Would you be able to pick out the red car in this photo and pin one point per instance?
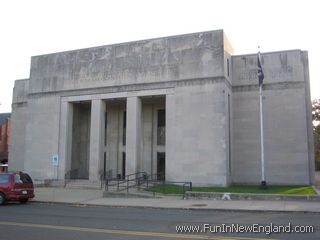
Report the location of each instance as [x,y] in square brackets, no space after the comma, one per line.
[15,186]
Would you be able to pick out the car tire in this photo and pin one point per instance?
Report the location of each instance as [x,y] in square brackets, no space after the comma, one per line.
[2,198]
[24,201]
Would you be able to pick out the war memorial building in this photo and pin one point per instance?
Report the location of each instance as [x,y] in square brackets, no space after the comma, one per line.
[183,107]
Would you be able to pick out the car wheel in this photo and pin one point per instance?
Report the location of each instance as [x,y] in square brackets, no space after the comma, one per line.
[23,201]
[2,198]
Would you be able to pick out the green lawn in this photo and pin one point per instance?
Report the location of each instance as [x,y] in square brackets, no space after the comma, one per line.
[167,189]
[175,189]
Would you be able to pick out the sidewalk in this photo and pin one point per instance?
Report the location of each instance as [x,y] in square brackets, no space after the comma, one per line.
[95,198]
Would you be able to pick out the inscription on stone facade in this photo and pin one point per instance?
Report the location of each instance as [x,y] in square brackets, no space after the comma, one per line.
[248,75]
[284,73]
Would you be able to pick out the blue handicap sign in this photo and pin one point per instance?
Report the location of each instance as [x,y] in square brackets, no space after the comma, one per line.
[55,160]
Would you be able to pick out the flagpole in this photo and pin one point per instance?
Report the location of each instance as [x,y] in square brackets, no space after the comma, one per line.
[263,177]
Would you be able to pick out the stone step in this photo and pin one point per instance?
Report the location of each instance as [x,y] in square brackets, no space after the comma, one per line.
[113,187]
[133,193]
[83,184]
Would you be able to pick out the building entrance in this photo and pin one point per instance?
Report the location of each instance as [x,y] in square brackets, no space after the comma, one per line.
[161,165]
[80,140]
[123,165]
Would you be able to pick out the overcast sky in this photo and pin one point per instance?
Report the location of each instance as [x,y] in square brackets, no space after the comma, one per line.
[33,27]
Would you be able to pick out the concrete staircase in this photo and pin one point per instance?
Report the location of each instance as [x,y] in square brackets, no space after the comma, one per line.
[111,192]
[134,191]
[83,184]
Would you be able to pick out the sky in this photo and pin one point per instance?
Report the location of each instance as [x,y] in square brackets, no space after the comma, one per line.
[35,27]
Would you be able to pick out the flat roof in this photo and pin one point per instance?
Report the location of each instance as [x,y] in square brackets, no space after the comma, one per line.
[128,42]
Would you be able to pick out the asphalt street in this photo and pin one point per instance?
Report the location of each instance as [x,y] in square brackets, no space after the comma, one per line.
[38,221]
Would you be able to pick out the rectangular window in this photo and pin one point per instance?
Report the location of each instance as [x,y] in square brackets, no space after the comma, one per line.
[123,165]
[105,128]
[228,67]
[124,128]
[229,133]
[161,166]
[161,131]
[161,118]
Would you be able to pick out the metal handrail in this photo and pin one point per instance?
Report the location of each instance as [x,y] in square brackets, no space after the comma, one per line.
[128,179]
[163,183]
[104,176]
[141,178]
[136,174]
[117,180]
[68,176]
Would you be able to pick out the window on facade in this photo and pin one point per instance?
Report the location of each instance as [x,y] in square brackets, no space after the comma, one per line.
[229,133]
[123,173]
[161,131]
[228,67]
[124,128]
[105,127]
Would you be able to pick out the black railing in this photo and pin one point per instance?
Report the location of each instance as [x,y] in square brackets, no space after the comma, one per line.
[141,180]
[105,175]
[71,174]
[162,185]
[130,180]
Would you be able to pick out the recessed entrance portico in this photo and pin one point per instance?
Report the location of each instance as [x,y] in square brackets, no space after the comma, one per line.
[115,137]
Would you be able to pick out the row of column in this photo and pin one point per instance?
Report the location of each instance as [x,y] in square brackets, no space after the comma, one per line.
[98,108]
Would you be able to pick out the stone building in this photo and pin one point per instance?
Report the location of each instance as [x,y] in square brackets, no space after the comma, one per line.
[4,140]
[182,107]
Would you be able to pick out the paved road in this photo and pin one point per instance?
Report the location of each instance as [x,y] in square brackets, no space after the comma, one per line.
[36,221]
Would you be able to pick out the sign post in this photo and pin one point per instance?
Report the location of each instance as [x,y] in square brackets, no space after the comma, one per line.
[55,163]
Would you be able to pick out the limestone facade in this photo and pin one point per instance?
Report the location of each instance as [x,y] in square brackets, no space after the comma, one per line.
[183,107]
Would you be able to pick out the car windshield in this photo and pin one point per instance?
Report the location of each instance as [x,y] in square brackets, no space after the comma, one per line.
[4,178]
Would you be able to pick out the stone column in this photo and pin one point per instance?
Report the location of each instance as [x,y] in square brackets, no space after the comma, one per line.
[172,168]
[65,139]
[96,137]
[133,134]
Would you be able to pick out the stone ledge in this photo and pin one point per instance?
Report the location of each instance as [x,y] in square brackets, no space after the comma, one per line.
[128,195]
[250,196]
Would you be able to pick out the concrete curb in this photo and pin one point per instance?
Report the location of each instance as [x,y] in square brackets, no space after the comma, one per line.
[128,195]
[87,198]
[250,196]
[173,208]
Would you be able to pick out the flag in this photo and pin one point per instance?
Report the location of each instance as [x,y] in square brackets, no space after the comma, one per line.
[260,71]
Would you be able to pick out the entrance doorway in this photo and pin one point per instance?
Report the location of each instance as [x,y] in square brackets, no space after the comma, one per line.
[105,166]
[161,166]
[123,165]
[81,122]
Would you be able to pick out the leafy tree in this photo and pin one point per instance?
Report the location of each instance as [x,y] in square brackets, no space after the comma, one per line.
[316,130]
[316,110]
